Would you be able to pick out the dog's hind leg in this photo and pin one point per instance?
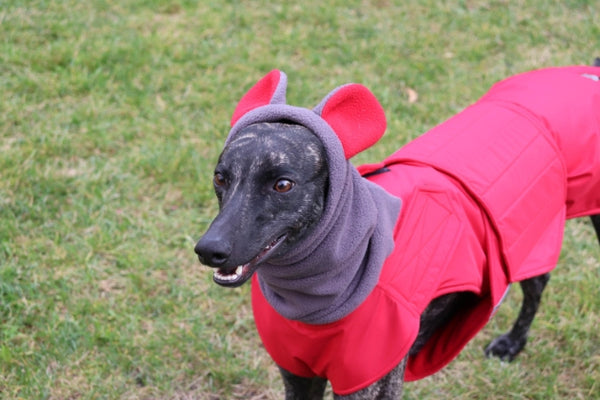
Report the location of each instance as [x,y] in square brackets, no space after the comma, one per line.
[507,346]
[299,388]
[596,221]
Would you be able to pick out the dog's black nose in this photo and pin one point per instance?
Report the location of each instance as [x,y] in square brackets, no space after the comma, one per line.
[213,251]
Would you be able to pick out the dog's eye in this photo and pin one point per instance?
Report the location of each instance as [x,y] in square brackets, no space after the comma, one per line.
[283,185]
[219,180]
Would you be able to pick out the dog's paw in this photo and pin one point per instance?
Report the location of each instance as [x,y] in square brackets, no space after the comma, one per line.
[505,348]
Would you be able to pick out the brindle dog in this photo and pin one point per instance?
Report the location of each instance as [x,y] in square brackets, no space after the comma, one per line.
[267,160]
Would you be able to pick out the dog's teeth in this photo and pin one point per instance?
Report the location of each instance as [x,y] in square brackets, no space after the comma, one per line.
[230,276]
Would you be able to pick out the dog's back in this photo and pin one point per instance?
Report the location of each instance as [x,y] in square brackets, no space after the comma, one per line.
[567,102]
[519,166]
[521,157]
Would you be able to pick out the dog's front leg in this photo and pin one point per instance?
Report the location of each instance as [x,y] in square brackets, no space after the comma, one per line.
[596,222]
[299,388]
[507,346]
[387,388]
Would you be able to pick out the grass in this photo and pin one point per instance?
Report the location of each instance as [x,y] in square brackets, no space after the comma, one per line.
[112,116]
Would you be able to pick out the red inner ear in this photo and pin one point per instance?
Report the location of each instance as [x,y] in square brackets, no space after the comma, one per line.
[356,117]
[259,95]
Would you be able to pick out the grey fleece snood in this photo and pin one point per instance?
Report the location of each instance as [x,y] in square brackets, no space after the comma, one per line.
[329,273]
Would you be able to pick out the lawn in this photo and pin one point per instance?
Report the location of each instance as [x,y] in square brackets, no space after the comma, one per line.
[112,116]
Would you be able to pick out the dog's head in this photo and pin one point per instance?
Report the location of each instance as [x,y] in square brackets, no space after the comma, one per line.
[278,169]
[271,183]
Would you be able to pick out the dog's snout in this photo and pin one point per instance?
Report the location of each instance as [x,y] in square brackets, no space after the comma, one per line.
[213,251]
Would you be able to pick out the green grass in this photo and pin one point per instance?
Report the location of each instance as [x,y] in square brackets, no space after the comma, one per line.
[111,118]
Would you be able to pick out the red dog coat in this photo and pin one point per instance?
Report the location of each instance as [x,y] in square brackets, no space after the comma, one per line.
[484,199]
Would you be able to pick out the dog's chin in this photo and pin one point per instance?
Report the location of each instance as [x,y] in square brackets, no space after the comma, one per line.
[237,276]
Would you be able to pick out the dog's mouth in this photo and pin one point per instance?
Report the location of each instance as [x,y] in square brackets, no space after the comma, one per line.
[236,276]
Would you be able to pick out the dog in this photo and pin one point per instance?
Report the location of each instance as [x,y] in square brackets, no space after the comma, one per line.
[374,275]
